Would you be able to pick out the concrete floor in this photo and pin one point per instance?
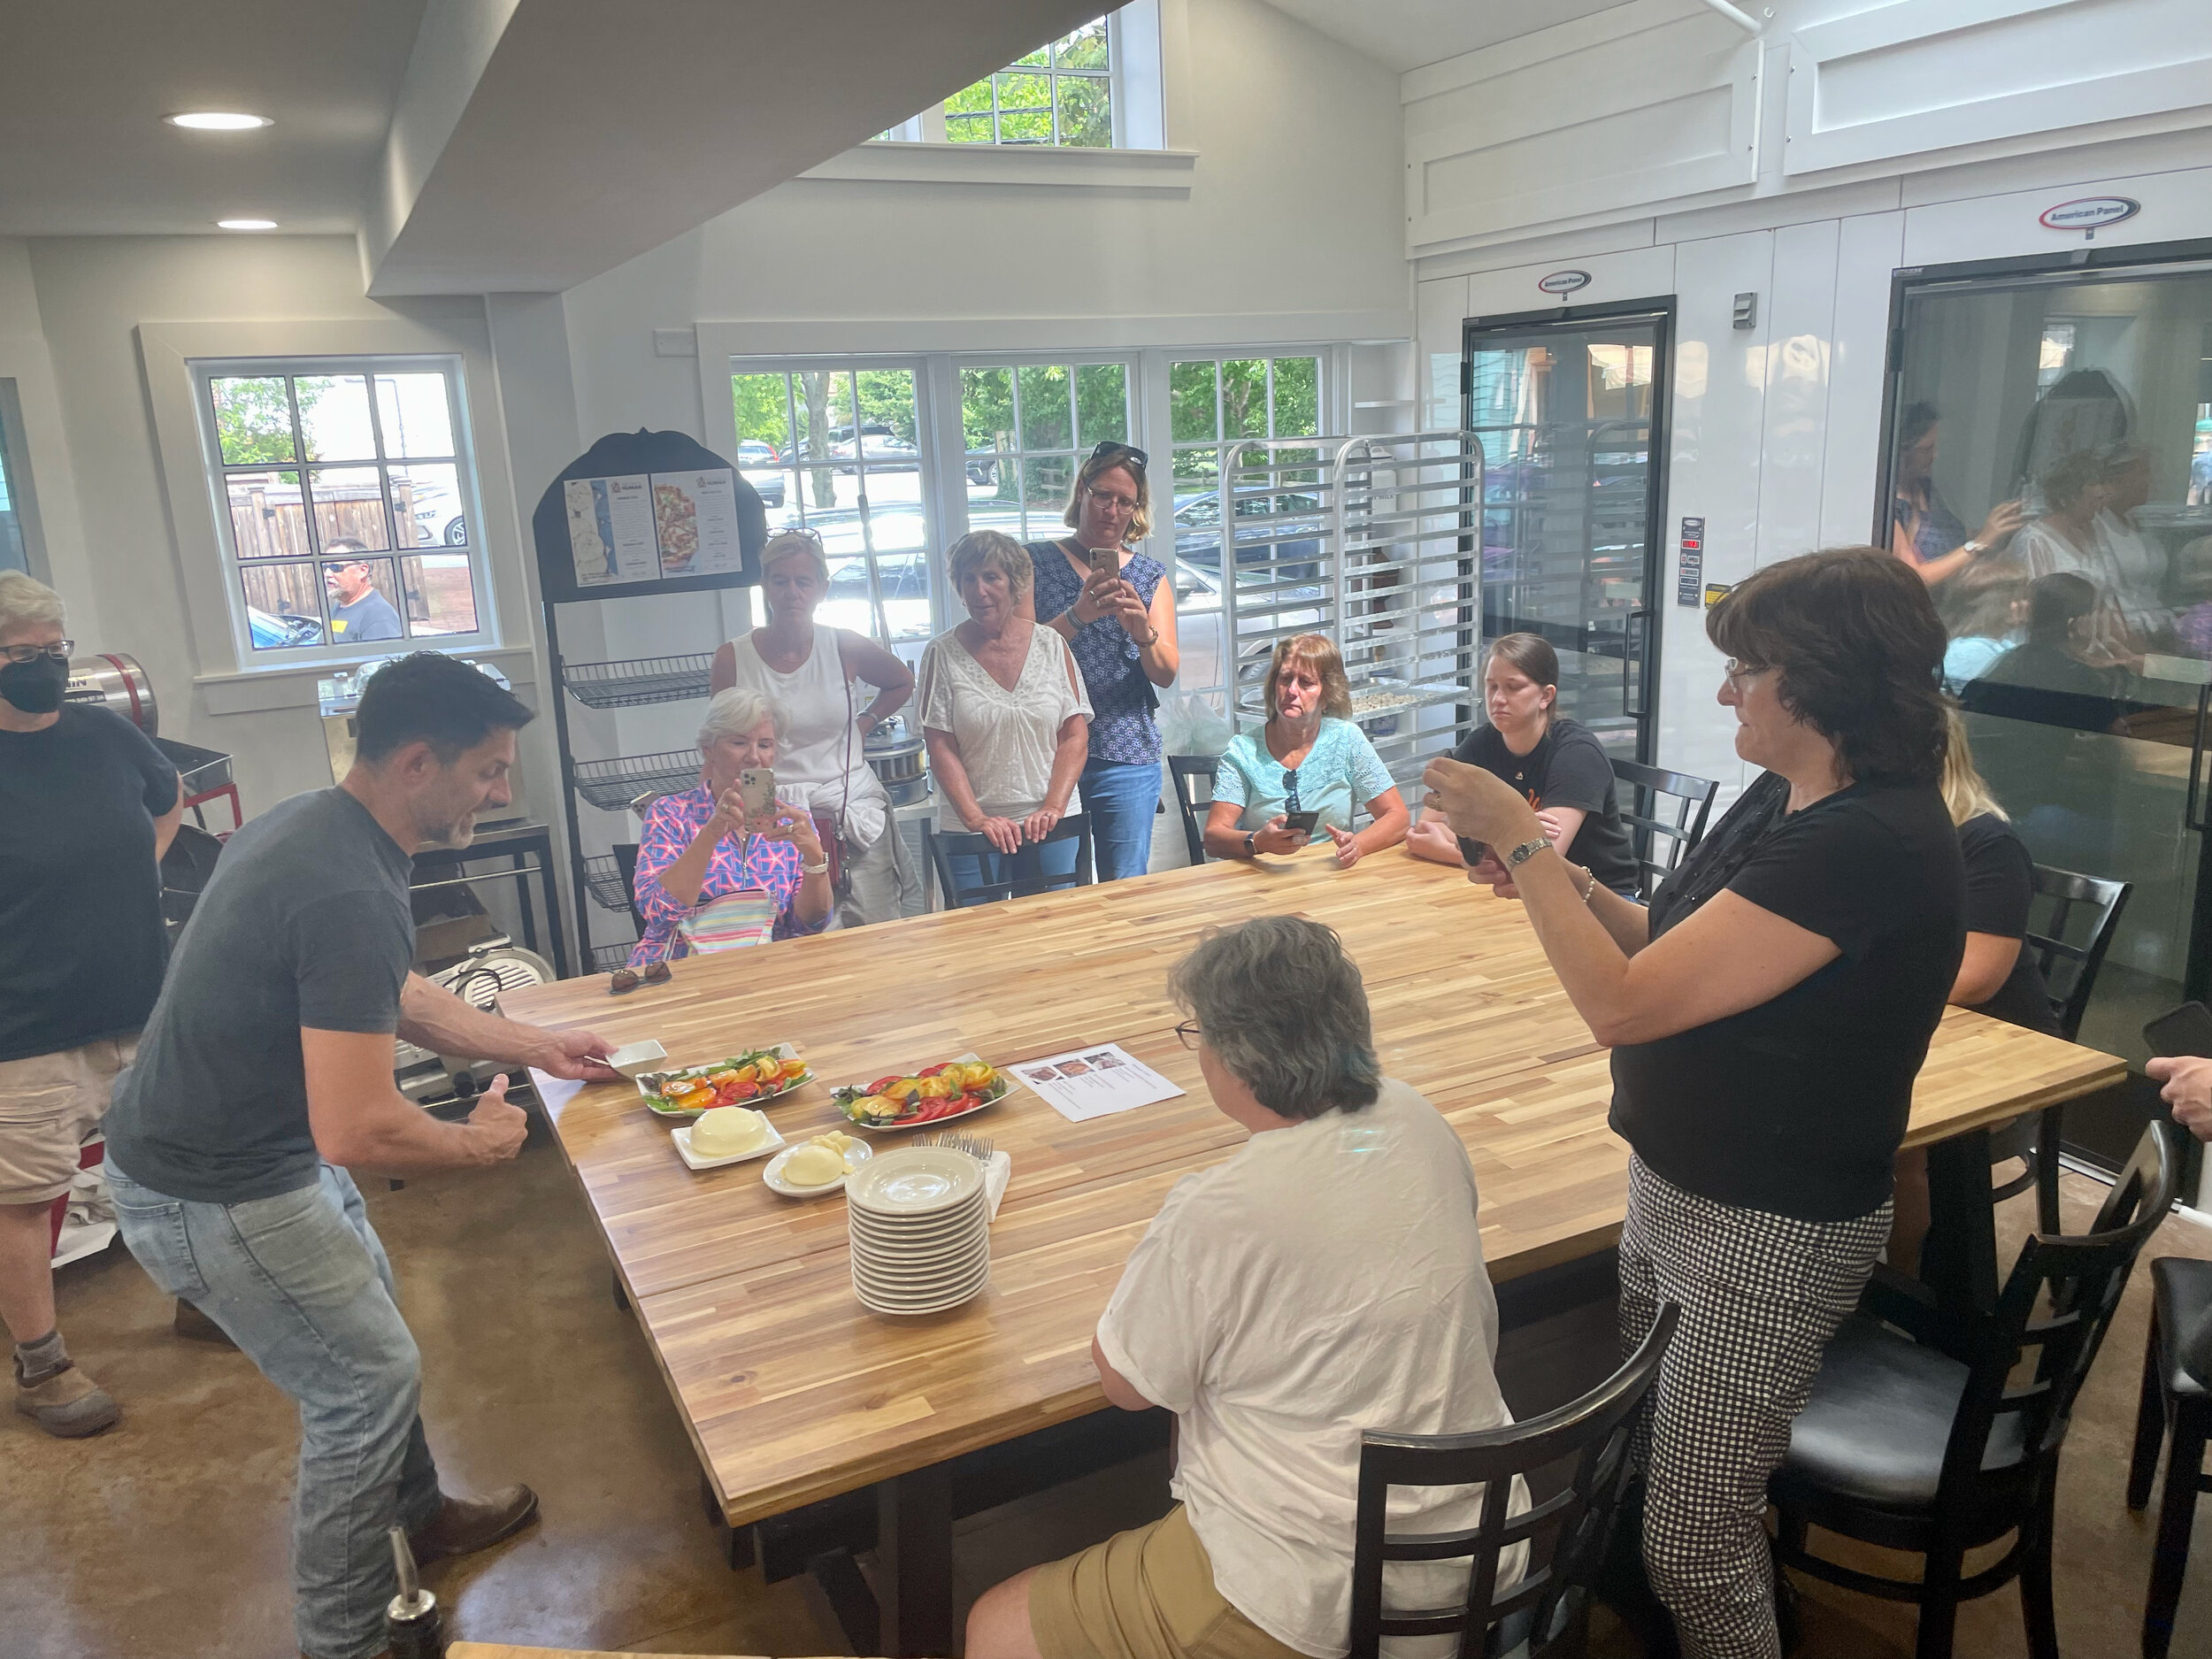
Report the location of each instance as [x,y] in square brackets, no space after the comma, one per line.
[167,1537]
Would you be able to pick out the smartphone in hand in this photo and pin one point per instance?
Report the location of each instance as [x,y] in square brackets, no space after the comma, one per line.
[2186,1032]
[756,787]
[1105,561]
[1304,822]
[1474,852]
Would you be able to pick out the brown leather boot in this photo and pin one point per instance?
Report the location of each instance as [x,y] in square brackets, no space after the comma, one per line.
[464,1525]
[66,1403]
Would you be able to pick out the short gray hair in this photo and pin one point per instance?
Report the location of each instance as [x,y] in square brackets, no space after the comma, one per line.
[738,710]
[1282,1007]
[980,547]
[25,603]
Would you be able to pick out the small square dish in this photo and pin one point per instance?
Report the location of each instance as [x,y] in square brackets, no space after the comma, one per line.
[633,1057]
[681,1136]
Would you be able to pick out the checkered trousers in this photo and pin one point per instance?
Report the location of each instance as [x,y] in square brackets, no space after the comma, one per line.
[1759,1295]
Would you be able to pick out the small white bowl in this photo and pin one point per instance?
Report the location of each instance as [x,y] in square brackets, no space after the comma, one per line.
[633,1057]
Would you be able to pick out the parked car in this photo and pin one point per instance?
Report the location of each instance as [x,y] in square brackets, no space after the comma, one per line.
[762,466]
[273,633]
[439,518]
[905,581]
[878,444]
[1293,535]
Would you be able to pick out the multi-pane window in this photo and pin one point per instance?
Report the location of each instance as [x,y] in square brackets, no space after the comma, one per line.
[1214,400]
[1027,428]
[347,493]
[838,452]
[1062,94]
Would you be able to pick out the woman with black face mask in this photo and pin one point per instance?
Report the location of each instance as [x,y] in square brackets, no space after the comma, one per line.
[88,806]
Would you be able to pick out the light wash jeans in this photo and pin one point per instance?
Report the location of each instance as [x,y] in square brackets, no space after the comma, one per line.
[301,1283]
[1121,801]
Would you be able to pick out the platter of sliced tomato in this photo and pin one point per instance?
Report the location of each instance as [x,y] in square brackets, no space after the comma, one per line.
[754,1078]
[934,1094]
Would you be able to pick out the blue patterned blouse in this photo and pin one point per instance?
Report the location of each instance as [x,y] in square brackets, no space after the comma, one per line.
[1122,699]
[671,822]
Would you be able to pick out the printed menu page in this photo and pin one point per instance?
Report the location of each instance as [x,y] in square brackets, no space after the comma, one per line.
[610,531]
[1095,1081]
[696,513]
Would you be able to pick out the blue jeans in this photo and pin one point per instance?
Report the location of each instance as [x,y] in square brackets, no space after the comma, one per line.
[1121,800]
[301,1283]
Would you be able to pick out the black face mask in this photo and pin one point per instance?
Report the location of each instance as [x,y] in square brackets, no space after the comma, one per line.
[34,687]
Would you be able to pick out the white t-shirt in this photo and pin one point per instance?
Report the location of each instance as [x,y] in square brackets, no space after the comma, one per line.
[1327,1279]
[1007,738]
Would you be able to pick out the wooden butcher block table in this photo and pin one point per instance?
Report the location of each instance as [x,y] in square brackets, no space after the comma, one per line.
[793,1393]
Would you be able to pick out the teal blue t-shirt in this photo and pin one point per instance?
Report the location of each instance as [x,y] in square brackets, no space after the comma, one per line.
[1342,773]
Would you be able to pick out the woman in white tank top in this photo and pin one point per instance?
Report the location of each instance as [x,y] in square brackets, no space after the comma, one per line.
[811,673]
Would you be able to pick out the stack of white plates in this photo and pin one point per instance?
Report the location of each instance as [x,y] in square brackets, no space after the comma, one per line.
[921,1240]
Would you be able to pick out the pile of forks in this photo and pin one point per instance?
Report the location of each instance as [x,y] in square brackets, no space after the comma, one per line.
[978,1147]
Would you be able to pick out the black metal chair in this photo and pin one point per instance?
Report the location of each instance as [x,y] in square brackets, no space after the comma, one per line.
[626,862]
[2079,915]
[943,848]
[1191,774]
[1909,1448]
[1546,1606]
[2176,1403]
[1648,816]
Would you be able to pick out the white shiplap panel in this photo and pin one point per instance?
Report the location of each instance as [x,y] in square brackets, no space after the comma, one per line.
[1919,77]
[1641,103]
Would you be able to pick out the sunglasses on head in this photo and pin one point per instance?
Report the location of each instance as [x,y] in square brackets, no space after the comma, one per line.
[1111,446]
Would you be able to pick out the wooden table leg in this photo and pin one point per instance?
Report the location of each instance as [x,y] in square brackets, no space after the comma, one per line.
[1959,1261]
[914,1563]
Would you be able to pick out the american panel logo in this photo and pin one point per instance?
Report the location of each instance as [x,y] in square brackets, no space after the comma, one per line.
[1564,282]
[2089,212]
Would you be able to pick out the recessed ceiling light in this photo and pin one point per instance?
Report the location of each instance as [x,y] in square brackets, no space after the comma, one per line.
[245,224]
[216,121]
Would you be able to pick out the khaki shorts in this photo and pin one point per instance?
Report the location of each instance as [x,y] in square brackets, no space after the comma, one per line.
[1146,1594]
[50,1105]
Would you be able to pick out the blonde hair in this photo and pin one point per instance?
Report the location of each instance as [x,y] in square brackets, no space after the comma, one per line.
[1965,794]
[991,548]
[26,603]
[1318,652]
[1097,466]
[795,544]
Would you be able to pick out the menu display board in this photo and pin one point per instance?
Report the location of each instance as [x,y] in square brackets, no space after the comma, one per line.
[646,513]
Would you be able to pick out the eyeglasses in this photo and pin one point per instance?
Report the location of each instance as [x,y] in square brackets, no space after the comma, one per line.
[1739,675]
[1187,1033]
[1290,789]
[805,532]
[1108,499]
[60,650]
[1114,446]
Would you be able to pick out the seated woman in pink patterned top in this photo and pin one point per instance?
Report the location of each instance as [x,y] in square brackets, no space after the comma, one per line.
[698,846]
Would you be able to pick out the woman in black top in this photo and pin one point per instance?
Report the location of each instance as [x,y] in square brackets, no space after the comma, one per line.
[1996,976]
[1767,1015]
[1557,763]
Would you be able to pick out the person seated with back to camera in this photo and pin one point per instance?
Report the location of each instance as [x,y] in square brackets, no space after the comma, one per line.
[1310,756]
[700,844]
[1555,761]
[1276,1329]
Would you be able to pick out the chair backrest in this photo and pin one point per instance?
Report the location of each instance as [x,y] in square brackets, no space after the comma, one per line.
[626,861]
[1672,805]
[2075,1281]
[2079,915]
[943,848]
[1594,1432]
[1192,773]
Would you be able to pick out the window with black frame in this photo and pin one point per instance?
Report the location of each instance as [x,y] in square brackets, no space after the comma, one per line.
[2049,475]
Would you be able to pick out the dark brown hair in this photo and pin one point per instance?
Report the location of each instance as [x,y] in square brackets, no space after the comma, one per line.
[1859,649]
[1531,653]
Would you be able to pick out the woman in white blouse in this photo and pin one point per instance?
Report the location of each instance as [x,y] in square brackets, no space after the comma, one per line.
[1005,716]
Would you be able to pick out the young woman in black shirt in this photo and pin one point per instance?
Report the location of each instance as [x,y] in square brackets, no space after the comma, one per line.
[1996,976]
[1767,1015]
[1557,763]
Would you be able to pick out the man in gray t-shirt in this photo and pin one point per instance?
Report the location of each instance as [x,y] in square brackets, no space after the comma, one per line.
[265,1073]
[357,611]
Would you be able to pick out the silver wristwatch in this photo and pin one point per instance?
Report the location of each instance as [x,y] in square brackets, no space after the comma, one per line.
[1525,851]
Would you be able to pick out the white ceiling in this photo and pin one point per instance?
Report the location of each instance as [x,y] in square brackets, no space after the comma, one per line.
[84,85]
[1404,35]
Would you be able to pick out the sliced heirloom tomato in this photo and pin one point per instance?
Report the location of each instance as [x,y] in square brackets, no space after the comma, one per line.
[792,1069]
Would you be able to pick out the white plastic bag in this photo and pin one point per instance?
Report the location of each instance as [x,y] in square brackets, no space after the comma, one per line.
[1192,725]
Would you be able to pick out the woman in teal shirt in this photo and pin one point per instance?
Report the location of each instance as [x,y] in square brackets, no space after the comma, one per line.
[1309,757]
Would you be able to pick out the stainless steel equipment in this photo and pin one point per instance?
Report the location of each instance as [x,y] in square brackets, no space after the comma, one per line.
[494,967]
[113,680]
[339,695]
[900,760]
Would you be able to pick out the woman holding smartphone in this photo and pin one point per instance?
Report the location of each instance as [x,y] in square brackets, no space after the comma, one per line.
[1116,610]
[707,842]
[1557,763]
[1305,769]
